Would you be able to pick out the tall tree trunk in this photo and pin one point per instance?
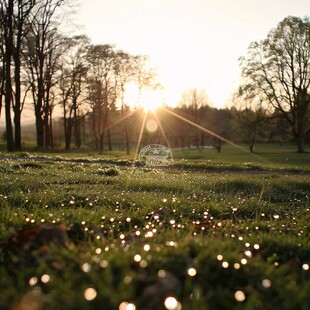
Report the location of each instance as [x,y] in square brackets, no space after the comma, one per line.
[77,129]
[50,124]
[127,138]
[17,107]
[77,133]
[2,81]
[39,126]
[109,140]
[8,83]
[127,142]
[68,136]
[47,143]
[17,127]
[9,127]
[101,143]
[300,138]
[202,140]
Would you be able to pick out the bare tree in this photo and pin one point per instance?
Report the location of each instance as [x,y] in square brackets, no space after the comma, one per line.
[127,73]
[103,89]
[72,87]
[2,65]
[15,15]
[192,102]
[7,11]
[250,114]
[279,69]
[45,47]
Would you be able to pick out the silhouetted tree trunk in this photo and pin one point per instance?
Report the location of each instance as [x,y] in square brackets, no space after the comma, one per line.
[7,15]
[109,140]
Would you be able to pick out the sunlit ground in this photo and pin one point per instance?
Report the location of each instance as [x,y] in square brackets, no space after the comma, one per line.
[88,235]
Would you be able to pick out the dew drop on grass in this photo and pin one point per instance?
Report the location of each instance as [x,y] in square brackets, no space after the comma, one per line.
[146,247]
[171,243]
[127,306]
[305,267]
[98,251]
[127,280]
[191,272]
[137,258]
[162,273]
[219,257]
[225,265]
[90,294]
[236,266]
[33,281]
[86,267]
[248,253]
[45,278]
[266,283]
[240,296]
[171,303]
[103,264]
[143,263]
[244,261]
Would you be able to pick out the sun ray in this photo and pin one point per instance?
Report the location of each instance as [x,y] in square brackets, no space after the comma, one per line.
[211,133]
[139,139]
[122,118]
[161,129]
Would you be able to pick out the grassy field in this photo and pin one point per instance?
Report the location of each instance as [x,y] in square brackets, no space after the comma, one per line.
[212,231]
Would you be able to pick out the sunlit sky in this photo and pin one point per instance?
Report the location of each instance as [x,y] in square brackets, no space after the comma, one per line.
[194,43]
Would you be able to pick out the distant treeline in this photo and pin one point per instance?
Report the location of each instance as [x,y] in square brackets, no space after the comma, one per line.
[238,126]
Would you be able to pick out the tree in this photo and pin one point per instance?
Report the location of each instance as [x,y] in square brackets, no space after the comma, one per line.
[126,71]
[193,103]
[14,25]
[249,115]
[219,122]
[7,9]
[102,89]
[44,48]
[2,65]
[72,86]
[278,68]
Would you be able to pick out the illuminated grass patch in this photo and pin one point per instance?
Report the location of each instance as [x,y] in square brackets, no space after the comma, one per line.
[84,235]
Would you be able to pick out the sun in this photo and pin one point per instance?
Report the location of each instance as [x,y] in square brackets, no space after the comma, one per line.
[151,100]
[148,99]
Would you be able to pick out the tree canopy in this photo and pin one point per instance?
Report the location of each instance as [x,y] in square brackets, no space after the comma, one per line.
[278,70]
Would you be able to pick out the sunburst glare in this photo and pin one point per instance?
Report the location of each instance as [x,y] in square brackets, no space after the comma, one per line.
[147,98]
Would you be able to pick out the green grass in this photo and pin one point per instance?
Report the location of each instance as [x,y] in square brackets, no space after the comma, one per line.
[217,231]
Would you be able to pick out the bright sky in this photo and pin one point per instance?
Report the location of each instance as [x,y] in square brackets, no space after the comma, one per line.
[194,43]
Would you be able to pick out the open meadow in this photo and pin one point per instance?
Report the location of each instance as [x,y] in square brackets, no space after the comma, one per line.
[212,231]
